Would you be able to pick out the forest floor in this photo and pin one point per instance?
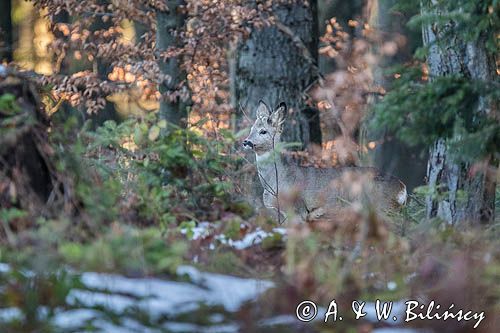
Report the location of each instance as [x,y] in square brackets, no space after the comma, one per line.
[226,276]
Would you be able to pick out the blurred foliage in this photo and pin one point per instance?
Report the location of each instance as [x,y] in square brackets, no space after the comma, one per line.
[33,299]
[138,172]
[420,109]
[168,175]
[8,104]
[97,193]
[421,112]
[368,256]
[473,19]
[129,250]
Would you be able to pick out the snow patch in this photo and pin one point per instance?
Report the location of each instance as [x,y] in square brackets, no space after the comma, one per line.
[158,298]
[250,239]
[200,231]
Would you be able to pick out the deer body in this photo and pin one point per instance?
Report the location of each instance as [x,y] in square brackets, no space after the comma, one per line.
[317,190]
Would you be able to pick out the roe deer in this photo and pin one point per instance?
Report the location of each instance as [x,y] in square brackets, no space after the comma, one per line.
[319,190]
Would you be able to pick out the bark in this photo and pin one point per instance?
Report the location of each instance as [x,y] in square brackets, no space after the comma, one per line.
[103,67]
[277,64]
[449,54]
[6,40]
[168,24]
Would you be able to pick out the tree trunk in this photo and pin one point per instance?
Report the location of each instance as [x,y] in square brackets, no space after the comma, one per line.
[103,67]
[278,63]
[169,23]
[275,64]
[449,54]
[6,40]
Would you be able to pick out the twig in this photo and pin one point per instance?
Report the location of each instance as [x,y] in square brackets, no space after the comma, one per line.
[265,183]
[277,182]
[243,111]
[268,187]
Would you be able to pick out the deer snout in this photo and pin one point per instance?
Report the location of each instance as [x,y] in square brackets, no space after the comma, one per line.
[247,144]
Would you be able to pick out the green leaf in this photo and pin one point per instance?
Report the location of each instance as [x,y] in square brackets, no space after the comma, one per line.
[138,136]
[154,133]
[162,123]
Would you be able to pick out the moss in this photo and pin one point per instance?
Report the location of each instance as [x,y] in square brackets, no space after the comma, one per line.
[224,262]
[274,241]
[133,251]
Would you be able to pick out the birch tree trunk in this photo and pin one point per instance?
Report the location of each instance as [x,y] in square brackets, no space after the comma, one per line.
[278,63]
[168,23]
[450,54]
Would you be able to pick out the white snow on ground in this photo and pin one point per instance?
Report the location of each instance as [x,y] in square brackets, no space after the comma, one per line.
[252,238]
[227,290]
[200,231]
[74,317]
[156,297]
[159,297]
[186,327]
[4,268]
[204,229]
[168,297]
[8,314]
[163,298]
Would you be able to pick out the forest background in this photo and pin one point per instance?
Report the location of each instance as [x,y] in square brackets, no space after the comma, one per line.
[121,125]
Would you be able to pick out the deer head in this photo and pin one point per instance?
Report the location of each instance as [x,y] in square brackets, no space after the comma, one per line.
[266,131]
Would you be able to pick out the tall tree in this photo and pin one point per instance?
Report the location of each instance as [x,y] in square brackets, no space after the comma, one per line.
[451,54]
[169,23]
[6,30]
[278,62]
[103,68]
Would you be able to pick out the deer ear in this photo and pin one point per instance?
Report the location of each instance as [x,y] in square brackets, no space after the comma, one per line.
[263,110]
[279,115]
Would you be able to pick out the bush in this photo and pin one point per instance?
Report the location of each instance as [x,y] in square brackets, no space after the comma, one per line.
[168,174]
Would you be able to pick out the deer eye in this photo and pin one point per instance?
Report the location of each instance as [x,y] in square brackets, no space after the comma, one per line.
[262,132]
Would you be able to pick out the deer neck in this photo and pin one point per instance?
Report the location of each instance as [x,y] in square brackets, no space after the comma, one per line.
[270,169]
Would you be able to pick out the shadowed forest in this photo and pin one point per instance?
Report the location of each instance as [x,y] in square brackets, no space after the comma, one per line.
[249,166]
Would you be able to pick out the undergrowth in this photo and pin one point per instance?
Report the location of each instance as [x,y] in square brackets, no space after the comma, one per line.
[139,183]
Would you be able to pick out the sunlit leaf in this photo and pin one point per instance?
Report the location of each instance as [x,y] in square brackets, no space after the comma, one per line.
[154,133]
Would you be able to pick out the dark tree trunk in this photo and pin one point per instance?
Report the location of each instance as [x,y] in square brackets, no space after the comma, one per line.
[169,24]
[275,64]
[6,30]
[278,63]
[103,67]
[449,54]
[392,155]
